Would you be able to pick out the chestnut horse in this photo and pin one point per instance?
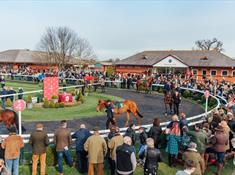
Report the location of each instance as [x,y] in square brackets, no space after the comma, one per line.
[128,107]
[10,118]
[144,85]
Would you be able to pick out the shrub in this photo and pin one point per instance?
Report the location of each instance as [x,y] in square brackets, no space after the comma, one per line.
[51,156]
[9,103]
[39,97]
[186,94]
[46,103]
[54,97]
[51,104]
[29,99]
[61,105]
[57,105]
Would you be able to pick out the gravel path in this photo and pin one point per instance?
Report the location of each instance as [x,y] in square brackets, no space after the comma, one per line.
[150,106]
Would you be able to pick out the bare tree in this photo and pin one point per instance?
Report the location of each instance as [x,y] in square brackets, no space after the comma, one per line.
[208,44]
[85,50]
[60,44]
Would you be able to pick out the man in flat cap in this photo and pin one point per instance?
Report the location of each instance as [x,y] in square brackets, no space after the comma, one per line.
[39,141]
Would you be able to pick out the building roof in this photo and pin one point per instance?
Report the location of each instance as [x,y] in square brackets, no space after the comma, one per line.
[192,58]
[27,56]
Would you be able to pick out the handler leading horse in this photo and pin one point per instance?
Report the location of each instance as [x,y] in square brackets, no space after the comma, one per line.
[128,107]
[10,118]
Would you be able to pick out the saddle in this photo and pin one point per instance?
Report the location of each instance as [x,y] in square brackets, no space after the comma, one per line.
[118,104]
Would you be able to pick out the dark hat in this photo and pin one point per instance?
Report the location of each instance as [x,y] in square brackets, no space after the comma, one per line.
[12,129]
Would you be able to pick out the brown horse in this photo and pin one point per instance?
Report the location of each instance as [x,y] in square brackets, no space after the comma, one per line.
[10,118]
[144,85]
[128,107]
[168,101]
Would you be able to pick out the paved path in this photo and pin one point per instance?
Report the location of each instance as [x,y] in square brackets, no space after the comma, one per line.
[150,106]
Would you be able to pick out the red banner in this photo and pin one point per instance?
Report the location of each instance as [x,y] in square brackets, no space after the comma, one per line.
[51,87]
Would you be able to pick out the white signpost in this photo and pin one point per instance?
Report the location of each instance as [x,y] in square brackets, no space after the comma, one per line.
[206,94]
[19,106]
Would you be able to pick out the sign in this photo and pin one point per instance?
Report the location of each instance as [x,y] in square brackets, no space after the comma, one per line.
[206,94]
[19,105]
[65,98]
[51,87]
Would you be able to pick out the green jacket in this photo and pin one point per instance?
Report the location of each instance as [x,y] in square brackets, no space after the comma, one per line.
[200,139]
[39,141]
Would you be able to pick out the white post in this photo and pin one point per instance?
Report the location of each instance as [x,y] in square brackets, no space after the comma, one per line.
[20,126]
[206,109]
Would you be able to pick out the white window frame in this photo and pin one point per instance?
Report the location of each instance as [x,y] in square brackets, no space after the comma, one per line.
[215,73]
[222,73]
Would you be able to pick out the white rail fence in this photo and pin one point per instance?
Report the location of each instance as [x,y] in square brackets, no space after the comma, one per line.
[104,133]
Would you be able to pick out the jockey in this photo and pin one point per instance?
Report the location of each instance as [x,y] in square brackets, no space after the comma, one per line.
[109,111]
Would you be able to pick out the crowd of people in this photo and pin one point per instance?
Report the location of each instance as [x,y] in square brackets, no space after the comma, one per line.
[209,142]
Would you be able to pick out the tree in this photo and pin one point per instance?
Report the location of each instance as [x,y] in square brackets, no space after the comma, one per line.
[85,50]
[60,44]
[208,44]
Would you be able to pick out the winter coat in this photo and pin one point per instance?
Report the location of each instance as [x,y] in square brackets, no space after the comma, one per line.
[155,133]
[96,148]
[200,138]
[39,141]
[62,138]
[173,143]
[116,141]
[81,136]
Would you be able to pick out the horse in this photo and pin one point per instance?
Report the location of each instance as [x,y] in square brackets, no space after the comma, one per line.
[144,85]
[128,106]
[10,118]
[168,101]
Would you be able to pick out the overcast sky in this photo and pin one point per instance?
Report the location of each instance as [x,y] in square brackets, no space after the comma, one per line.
[117,29]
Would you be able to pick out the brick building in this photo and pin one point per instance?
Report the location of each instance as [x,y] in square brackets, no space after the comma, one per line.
[211,64]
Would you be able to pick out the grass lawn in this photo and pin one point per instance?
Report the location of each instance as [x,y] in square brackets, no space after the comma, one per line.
[25,86]
[164,169]
[87,109]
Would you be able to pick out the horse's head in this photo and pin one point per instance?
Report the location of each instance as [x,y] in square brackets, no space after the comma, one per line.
[101,105]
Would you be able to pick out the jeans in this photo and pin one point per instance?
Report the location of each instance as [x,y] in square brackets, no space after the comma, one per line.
[142,149]
[13,166]
[82,161]
[68,157]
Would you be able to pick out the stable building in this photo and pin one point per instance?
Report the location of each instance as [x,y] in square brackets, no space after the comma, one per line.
[201,64]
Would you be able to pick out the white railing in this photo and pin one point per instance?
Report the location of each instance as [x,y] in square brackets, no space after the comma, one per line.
[104,133]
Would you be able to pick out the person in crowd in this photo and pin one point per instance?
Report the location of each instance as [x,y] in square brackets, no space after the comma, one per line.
[190,167]
[220,140]
[4,92]
[113,143]
[112,132]
[81,137]
[97,149]
[39,141]
[142,137]
[109,111]
[21,95]
[192,154]
[12,145]
[125,158]
[3,81]
[1,149]
[11,92]
[63,141]
[173,141]
[102,84]
[129,81]
[226,128]
[3,169]
[176,102]
[152,156]
[199,137]
[131,133]
[183,122]
[155,132]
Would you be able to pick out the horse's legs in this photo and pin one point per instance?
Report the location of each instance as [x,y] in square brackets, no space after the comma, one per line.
[127,119]
[137,118]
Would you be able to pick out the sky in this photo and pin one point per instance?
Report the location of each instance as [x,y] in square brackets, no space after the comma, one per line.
[118,29]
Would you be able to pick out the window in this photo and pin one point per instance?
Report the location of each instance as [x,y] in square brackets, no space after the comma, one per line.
[194,71]
[233,74]
[213,73]
[224,73]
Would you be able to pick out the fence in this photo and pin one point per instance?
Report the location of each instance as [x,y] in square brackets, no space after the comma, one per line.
[193,120]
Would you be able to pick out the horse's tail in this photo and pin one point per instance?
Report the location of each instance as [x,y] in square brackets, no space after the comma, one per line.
[16,119]
[141,116]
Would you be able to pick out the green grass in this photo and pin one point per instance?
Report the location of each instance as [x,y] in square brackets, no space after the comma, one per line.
[164,169]
[25,86]
[87,109]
